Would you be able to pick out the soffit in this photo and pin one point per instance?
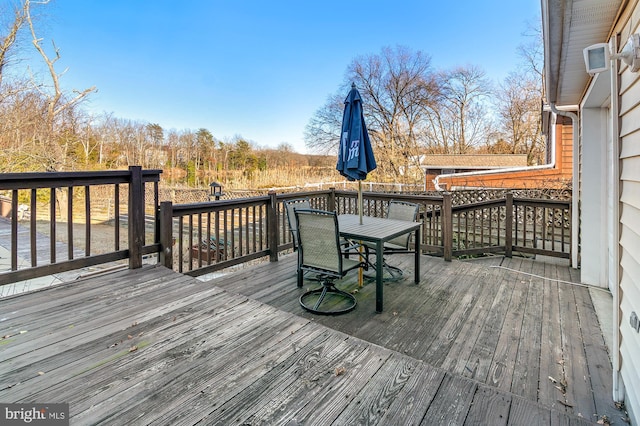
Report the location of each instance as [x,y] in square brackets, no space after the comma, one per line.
[568,27]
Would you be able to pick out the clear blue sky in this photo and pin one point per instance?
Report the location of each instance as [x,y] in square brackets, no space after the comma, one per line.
[259,68]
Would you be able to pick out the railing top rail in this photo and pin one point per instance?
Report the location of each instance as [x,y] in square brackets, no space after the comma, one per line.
[220,205]
[516,201]
[478,204]
[395,196]
[61,179]
[301,194]
[543,203]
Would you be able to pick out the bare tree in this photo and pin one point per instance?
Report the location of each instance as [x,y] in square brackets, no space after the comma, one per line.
[322,133]
[38,117]
[518,101]
[461,120]
[56,100]
[397,87]
[519,111]
[9,35]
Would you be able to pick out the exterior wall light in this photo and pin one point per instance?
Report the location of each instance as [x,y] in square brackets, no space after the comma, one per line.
[597,57]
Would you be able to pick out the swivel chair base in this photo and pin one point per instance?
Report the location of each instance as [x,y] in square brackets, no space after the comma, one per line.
[395,273]
[328,300]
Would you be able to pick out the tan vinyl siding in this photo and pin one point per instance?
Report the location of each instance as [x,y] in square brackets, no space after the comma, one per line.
[629,170]
[630,192]
[630,228]
[630,339]
[631,148]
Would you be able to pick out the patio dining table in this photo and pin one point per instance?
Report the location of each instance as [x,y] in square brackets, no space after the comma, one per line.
[378,231]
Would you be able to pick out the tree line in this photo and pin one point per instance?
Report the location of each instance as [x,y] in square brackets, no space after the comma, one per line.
[45,128]
[411,109]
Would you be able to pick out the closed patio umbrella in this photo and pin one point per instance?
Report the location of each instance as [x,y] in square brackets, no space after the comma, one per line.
[355,155]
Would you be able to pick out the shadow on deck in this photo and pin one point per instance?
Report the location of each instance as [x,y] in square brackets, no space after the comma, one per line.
[471,344]
[515,324]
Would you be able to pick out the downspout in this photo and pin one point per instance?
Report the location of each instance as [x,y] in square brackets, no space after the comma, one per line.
[575,228]
[551,165]
[614,274]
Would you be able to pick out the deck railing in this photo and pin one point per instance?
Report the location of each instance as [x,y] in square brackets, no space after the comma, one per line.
[200,238]
[67,198]
[512,224]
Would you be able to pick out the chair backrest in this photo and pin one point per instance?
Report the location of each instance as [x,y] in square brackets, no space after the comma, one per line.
[402,210]
[318,235]
[291,205]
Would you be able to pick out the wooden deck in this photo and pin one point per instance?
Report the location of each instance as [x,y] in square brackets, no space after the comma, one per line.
[471,344]
[513,324]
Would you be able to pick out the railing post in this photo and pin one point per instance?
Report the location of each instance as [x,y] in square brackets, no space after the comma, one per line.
[508,223]
[272,226]
[166,234]
[447,226]
[136,217]
[331,200]
[14,230]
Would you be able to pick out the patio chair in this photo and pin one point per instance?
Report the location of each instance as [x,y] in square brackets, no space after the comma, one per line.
[399,210]
[321,253]
[290,207]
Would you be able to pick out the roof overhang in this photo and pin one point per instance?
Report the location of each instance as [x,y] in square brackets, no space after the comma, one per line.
[568,26]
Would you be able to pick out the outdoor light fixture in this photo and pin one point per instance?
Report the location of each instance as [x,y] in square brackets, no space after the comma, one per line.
[216,191]
[597,57]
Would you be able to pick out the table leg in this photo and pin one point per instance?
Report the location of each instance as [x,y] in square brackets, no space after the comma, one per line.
[379,275]
[416,267]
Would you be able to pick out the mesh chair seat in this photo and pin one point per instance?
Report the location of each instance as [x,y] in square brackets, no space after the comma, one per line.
[291,206]
[321,252]
[303,204]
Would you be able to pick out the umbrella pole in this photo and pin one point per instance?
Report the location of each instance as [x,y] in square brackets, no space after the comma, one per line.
[360,271]
[360,200]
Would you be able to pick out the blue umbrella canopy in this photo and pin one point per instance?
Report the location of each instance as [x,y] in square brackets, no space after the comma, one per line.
[355,155]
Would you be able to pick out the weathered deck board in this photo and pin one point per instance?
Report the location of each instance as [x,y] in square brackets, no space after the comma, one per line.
[497,320]
[152,346]
[483,352]
[452,402]
[579,396]
[489,407]
[501,371]
[597,356]
[551,368]
[462,344]
[527,364]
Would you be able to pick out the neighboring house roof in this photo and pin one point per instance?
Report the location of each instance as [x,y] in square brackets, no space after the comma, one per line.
[475,161]
[568,27]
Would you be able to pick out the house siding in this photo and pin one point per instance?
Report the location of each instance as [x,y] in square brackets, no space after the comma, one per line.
[559,177]
[629,119]
[565,146]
